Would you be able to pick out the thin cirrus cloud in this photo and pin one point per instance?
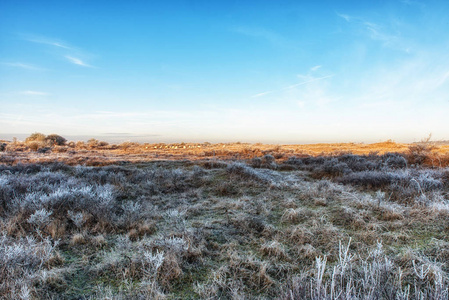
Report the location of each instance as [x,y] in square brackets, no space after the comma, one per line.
[34,93]
[308,81]
[70,53]
[77,61]
[261,94]
[22,66]
[312,79]
[378,32]
[47,41]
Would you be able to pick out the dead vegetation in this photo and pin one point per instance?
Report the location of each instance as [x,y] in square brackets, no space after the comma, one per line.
[40,148]
[371,226]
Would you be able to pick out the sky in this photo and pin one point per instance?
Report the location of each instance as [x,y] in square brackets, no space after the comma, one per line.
[225,71]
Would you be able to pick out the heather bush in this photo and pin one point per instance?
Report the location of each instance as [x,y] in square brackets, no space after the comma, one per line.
[334,166]
[369,179]
[404,185]
[256,162]
[22,259]
[393,161]
[295,161]
[243,171]
[359,163]
[268,161]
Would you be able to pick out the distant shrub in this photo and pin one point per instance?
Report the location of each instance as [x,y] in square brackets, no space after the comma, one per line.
[36,137]
[54,139]
[93,143]
[36,141]
[80,145]
[128,145]
[418,153]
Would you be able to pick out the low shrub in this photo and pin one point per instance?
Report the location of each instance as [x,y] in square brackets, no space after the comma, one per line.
[55,140]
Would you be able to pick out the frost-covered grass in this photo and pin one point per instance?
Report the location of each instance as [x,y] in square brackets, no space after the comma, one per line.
[341,227]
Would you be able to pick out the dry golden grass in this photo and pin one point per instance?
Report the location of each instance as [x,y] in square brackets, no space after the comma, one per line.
[78,239]
[82,153]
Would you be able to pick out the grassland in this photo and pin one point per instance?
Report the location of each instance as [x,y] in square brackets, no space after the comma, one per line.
[98,153]
[224,221]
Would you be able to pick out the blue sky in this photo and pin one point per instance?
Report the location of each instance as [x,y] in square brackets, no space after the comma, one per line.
[219,71]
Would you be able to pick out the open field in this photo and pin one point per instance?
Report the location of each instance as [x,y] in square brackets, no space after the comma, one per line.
[177,176]
[227,221]
[97,153]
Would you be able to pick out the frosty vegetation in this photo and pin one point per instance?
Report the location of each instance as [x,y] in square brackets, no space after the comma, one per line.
[337,227]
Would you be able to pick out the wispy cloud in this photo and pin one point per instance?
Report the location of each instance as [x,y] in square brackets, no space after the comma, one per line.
[33,93]
[346,17]
[261,94]
[416,84]
[313,93]
[77,61]
[378,32]
[442,79]
[307,81]
[71,53]
[22,66]
[315,68]
[47,41]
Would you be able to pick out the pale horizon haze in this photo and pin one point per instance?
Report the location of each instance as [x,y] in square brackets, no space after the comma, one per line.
[226,71]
